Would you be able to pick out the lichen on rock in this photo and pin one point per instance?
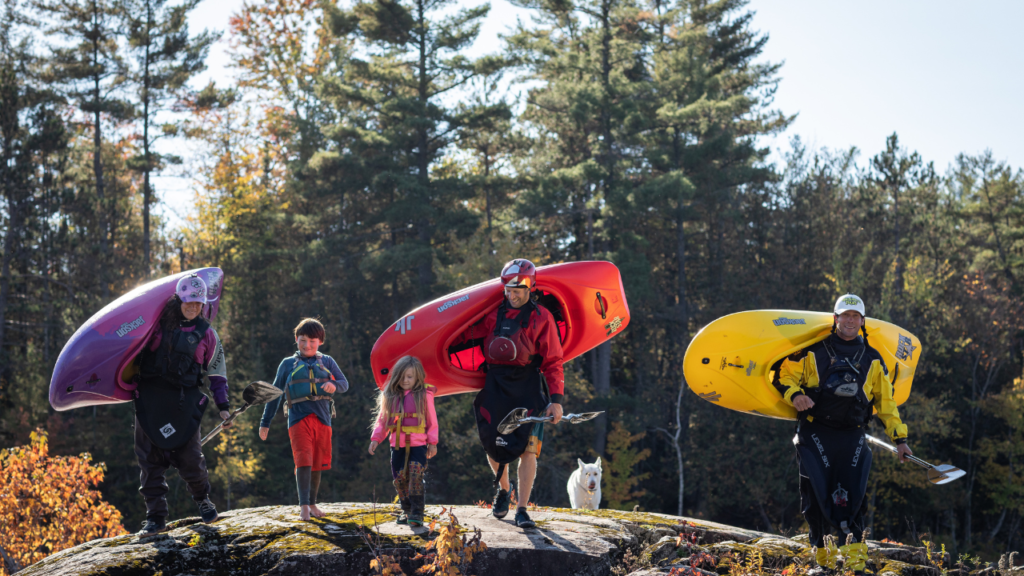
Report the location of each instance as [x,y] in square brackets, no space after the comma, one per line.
[273,540]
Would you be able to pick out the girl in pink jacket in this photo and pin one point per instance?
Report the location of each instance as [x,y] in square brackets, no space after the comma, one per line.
[405,410]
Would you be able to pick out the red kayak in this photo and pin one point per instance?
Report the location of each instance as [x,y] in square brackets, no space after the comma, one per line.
[586,299]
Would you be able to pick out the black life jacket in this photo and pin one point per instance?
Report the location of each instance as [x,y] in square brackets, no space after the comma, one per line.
[507,342]
[169,404]
[174,360]
[509,387]
[839,399]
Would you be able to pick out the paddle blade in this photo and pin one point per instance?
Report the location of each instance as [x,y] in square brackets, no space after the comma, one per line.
[944,473]
[512,421]
[260,392]
[577,418]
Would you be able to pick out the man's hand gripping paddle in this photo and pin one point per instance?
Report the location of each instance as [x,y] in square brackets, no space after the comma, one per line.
[941,474]
[256,393]
[518,417]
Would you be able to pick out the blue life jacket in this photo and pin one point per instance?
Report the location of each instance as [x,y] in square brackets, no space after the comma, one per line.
[305,383]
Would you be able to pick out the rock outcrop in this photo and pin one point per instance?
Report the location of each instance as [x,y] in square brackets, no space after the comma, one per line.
[272,540]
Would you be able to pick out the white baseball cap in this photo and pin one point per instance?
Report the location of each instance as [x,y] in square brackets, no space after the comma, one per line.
[850,302]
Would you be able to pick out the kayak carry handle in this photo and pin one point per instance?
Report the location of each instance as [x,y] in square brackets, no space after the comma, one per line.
[600,301]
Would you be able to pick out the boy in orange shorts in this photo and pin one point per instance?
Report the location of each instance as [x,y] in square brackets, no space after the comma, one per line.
[308,379]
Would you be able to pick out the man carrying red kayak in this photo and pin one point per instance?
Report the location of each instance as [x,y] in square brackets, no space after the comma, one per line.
[523,354]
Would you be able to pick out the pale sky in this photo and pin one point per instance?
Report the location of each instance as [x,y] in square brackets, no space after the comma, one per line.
[946,76]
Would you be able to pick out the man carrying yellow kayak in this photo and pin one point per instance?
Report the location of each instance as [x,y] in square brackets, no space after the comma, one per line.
[834,384]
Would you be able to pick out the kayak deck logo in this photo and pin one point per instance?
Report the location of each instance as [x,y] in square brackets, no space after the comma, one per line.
[451,303]
[129,326]
[905,348]
[788,321]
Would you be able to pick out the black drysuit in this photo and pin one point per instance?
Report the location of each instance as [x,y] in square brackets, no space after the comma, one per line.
[845,379]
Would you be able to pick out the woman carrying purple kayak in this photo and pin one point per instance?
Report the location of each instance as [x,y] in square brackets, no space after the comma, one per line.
[169,403]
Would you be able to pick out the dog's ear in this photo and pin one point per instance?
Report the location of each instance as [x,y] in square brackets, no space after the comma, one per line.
[598,462]
[580,460]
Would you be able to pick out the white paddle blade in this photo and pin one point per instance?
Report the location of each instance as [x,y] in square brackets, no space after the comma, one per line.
[944,474]
[512,421]
[577,418]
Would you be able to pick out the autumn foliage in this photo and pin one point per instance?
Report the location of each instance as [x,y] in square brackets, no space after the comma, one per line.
[51,502]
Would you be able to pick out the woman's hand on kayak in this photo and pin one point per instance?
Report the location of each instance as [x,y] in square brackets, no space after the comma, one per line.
[373,446]
[224,415]
[264,432]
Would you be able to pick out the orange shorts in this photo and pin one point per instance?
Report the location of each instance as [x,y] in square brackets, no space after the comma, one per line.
[311,443]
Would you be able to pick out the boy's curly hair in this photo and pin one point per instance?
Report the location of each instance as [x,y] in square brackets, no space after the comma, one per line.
[311,328]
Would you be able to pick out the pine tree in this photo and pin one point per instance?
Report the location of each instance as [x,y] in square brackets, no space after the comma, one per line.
[589,56]
[32,132]
[396,125]
[164,58]
[87,64]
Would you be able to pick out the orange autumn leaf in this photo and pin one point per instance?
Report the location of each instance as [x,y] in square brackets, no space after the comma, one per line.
[52,501]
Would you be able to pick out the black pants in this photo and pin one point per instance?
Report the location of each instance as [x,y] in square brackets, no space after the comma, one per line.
[818,524]
[837,461]
[154,461]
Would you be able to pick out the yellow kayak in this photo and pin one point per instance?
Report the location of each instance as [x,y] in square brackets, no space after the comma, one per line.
[729,361]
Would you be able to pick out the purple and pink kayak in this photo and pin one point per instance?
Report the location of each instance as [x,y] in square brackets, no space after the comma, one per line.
[97,363]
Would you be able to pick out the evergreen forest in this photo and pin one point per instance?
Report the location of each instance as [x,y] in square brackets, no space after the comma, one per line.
[363,160]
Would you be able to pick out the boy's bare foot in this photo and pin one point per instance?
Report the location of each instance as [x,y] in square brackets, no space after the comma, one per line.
[303,512]
[316,512]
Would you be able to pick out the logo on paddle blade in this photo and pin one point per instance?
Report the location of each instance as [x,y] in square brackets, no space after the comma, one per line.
[167,430]
[499,441]
[905,348]
[839,496]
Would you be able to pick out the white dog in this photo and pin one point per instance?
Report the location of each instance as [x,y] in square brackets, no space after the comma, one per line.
[585,486]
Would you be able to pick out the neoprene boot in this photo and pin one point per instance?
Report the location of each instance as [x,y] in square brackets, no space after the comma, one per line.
[856,556]
[416,513]
[152,527]
[403,518]
[827,555]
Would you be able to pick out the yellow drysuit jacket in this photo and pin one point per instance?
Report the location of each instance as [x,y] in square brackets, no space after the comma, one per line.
[801,371]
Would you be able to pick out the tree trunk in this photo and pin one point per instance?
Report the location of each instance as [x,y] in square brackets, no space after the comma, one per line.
[999,526]
[601,358]
[899,265]
[425,269]
[600,370]
[146,191]
[97,159]
[952,530]
[678,439]
[13,230]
